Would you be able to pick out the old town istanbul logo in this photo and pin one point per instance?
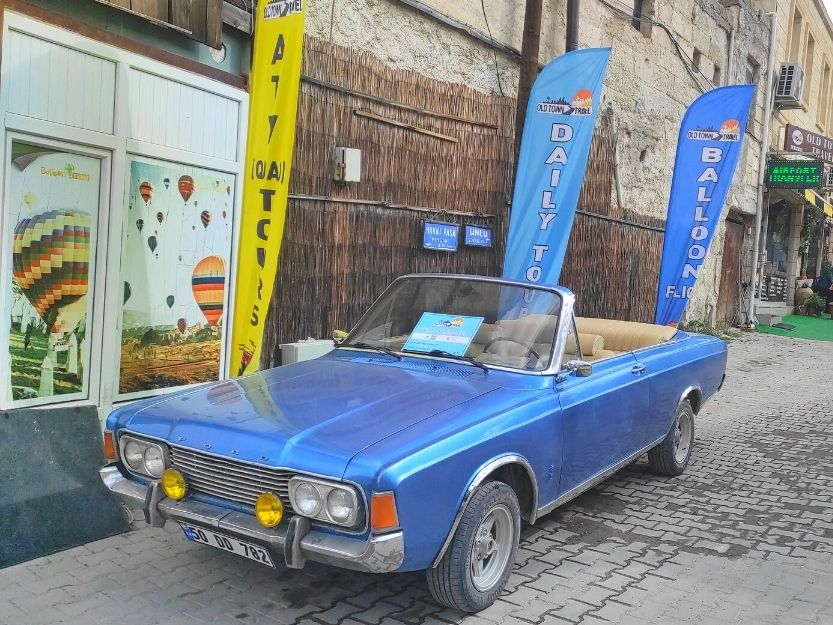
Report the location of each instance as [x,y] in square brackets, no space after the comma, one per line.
[453,323]
[729,131]
[798,137]
[581,104]
[281,8]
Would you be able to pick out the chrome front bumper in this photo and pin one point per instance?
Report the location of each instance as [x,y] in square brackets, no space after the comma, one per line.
[293,542]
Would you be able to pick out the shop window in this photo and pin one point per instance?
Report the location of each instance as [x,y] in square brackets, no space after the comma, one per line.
[643,12]
[824,98]
[809,60]
[113,280]
[175,257]
[795,36]
[54,202]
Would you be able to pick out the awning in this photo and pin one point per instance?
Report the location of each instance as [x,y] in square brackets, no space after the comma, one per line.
[816,200]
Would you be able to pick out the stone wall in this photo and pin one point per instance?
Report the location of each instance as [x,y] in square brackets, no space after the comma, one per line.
[648,87]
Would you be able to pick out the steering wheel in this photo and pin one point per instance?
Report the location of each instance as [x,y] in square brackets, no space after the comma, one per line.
[529,349]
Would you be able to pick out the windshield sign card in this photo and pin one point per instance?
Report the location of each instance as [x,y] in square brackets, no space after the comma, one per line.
[446,333]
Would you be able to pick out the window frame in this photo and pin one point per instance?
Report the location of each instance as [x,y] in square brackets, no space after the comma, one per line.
[118,148]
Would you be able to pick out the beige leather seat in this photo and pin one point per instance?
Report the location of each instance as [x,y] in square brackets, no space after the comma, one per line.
[624,336]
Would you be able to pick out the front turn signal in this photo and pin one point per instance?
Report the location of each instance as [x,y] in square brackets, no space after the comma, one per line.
[383,512]
[109,446]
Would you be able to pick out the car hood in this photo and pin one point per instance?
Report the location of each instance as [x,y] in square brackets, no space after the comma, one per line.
[312,416]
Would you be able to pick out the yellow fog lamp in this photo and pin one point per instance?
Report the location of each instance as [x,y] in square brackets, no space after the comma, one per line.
[268,510]
[173,483]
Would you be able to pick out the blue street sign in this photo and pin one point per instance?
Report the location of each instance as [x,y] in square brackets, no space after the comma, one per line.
[478,236]
[440,236]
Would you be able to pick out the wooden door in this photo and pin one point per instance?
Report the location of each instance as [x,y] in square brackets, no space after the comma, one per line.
[727,301]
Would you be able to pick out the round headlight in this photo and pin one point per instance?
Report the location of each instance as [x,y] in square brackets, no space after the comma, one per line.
[154,461]
[307,500]
[268,509]
[340,505]
[133,455]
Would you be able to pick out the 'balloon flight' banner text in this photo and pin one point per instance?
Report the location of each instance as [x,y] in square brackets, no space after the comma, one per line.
[560,118]
[708,148]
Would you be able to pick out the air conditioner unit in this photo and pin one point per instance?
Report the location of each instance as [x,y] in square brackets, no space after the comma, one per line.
[790,86]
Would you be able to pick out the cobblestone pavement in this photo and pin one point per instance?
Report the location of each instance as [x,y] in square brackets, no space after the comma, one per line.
[745,536]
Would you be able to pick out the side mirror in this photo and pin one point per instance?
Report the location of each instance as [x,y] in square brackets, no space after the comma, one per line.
[579,368]
[339,336]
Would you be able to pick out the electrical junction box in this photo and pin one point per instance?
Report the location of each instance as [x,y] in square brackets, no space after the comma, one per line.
[304,350]
[348,165]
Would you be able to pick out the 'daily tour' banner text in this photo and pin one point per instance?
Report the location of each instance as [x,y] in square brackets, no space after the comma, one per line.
[276,75]
[708,148]
[560,118]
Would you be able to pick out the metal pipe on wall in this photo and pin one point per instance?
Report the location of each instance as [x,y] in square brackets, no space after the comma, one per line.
[768,106]
[530,50]
[572,24]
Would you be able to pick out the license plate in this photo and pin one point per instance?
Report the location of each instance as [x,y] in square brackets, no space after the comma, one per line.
[227,543]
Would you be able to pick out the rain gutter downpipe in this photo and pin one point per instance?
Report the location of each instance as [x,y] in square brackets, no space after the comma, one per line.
[751,320]
[530,50]
[572,24]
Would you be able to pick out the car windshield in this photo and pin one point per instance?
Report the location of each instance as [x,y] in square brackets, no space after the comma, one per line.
[482,321]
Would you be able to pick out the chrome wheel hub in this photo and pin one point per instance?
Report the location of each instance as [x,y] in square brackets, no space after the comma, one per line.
[491,549]
[683,435]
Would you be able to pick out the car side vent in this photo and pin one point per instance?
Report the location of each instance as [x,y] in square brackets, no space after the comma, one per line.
[461,371]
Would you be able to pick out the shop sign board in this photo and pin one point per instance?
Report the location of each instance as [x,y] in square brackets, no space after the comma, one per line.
[440,236]
[798,139]
[794,174]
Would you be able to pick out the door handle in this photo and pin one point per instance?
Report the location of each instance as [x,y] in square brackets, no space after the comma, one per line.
[638,368]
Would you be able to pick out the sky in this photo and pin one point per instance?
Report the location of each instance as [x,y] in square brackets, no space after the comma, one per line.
[829,5]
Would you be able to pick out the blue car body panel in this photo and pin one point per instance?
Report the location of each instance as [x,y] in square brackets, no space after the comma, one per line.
[424,428]
[312,417]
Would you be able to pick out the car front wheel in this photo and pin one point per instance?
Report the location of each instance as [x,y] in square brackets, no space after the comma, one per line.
[476,566]
[671,456]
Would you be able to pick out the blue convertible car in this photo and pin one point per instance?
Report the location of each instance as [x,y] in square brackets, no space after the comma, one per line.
[457,407]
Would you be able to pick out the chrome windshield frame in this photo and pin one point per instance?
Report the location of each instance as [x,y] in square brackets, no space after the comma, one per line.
[559,340]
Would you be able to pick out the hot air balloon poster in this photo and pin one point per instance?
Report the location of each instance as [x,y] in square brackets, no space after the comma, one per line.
[52,212]
[173,320]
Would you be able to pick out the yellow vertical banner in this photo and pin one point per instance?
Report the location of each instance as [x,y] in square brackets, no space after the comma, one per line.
[273,108]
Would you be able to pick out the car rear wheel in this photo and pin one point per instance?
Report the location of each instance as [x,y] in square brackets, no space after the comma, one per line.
[671,456]
[479,560]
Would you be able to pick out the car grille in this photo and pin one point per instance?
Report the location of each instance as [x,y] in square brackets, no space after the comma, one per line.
[230,479]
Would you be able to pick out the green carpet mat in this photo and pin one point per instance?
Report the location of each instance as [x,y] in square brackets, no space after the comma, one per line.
[814,328]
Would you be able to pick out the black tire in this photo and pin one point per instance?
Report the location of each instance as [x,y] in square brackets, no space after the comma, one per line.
[452,582]
[668,458]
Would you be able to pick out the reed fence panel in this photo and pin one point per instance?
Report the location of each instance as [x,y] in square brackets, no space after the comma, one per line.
[345,242]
